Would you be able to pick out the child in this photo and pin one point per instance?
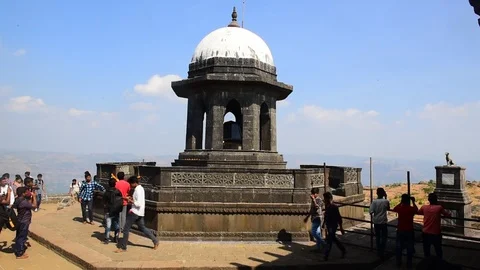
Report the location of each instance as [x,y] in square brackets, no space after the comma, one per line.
[25,202]
[113,203]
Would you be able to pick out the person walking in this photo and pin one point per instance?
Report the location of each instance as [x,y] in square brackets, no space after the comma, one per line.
[378,210]
[136,215]
[333,220]
[315,215]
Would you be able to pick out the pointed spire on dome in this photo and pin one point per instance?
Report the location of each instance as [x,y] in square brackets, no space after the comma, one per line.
[234,22]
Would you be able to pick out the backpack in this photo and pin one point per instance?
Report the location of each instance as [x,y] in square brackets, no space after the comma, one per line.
[12,222]
[116,202]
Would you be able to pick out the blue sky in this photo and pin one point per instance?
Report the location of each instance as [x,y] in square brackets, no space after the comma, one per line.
[392,58]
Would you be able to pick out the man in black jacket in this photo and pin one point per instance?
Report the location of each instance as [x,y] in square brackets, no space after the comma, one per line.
[113,204]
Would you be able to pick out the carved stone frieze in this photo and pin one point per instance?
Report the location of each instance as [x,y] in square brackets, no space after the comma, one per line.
[279,180]
[233,179]
[351,175]
[318,180]
[187,179]
[230,209]
[218,179]
[249,179]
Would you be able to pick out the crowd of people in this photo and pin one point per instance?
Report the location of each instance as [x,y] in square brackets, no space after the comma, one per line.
[405,237]
[24,195]
[123,202]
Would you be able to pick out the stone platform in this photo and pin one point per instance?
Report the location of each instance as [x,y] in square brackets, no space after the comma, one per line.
[62,232]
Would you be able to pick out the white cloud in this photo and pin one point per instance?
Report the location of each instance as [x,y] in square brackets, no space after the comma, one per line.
[20,52]
[443,110]
[159,86]
[142,106]
[351,117]
[76,112]
[26,104]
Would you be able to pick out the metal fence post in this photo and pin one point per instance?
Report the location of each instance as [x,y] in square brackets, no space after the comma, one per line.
[371,200]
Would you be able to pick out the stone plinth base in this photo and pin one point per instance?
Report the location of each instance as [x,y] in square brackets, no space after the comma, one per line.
[451,193]
[241,204]
[231,159]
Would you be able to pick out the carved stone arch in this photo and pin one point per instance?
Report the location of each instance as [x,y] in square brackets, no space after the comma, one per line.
[233,129]
[265,127]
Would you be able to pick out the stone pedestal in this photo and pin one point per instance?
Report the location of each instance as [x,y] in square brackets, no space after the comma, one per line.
[452,195]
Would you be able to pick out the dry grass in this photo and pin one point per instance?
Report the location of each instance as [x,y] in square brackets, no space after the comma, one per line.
[420,192]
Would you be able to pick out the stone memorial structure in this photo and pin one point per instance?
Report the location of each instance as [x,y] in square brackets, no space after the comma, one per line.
[450,189]
[230,183]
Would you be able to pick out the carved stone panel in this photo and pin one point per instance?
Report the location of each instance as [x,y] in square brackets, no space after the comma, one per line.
[351,175]
[218,179]
[187,179]
[232,179]
[280,180]
[318,180]
[249,179]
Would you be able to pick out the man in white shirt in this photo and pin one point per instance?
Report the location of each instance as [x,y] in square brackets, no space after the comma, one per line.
[136,215]
[378,210]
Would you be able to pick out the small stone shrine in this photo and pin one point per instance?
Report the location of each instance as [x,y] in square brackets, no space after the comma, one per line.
[230,183]
[450,189]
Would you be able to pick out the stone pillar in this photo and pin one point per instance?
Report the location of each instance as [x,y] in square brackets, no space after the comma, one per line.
[273,128]
[214,127]
[251,127]
[452,195]
[194,134]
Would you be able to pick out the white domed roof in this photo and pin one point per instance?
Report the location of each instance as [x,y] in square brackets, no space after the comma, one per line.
[233,42]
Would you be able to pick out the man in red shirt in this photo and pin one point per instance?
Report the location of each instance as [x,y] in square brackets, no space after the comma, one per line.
[405,233]
[124,188]
[432,233]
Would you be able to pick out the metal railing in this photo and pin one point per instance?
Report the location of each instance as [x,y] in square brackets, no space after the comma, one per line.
[372,234]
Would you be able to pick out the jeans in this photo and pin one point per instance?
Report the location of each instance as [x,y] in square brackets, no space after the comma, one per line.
[331,238]
[84,205]
[123,217]
[317,233]
[39,200]
[436,241]
[111,222]
[131,219]
[381,236]
[21,239]
[405,239]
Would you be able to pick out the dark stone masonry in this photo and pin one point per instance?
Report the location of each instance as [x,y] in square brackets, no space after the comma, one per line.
[230,183]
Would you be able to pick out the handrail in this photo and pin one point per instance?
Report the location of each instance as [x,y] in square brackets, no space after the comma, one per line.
[476,239]
[368,207]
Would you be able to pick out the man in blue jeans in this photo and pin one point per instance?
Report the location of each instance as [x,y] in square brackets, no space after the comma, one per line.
[86,197]
[136,215]
[316,207]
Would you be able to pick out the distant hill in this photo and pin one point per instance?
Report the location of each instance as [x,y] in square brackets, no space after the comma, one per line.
[60,168]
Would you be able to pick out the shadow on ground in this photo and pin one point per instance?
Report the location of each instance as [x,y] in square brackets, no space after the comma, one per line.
[460,253]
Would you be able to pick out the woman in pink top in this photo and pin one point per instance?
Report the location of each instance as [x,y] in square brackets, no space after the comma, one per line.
[432,233]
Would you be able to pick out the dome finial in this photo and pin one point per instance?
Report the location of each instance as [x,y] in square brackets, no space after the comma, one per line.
[234,22]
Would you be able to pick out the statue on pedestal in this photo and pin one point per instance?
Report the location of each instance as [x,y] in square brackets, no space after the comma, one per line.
[449,160]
